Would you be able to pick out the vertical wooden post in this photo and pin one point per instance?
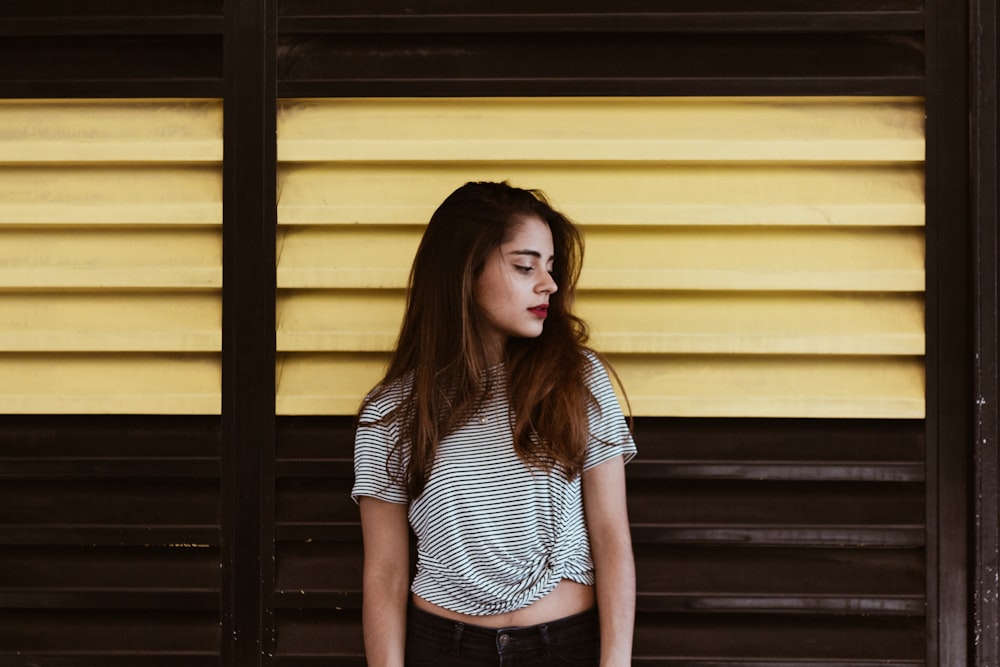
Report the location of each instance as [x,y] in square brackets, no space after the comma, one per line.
[248,333]
[984,32]
[949,334]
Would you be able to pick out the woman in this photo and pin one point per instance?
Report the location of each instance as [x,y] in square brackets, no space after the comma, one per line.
[497,437]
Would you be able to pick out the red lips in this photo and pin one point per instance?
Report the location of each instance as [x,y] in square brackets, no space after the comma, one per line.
[539,311]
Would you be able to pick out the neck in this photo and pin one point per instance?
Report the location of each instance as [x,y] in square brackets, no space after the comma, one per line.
[493,350]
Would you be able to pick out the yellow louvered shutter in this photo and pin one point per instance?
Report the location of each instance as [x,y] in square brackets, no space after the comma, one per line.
[745,256]
[110,256]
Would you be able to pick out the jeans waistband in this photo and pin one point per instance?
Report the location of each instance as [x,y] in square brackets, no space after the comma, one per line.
[430,636]
[426,619]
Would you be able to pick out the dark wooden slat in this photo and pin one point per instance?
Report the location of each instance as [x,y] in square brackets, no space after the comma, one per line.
[108,88]
[318,565]
[775,662]
[695,501]
[313,599]
[319,660]
[781,535]
[68,633]
[664,22]
[874,536]
[111,66]
[177,577]
[105,659]
[643,468]
[868,568]
[82,534]
[110,435]
[797,639]
[689,501]
[687,438]
[151,502]
[316,632]
[710,580]
[331,468]
[621,86]
[109,8]
[528,7]
[344,531]
[102,598]
[819,471]
[540,64]
[700,638]
[314,500]
[836,571]
[783,604]
[117,467]
[692,603]
[181,567]
[63,26]
[782,439]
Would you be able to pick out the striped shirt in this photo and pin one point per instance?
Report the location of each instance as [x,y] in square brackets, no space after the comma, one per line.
[493,535]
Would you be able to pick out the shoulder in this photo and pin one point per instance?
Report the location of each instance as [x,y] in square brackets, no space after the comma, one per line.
[595,367]
[382,401]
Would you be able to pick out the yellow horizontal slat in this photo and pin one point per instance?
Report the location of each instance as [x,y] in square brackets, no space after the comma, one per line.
[697,385]
[694,258]
[325,384]
[807,387]
[91,194]
[346,257]
[109,321]
[110,383]
[755,323]
[842,129]
[93,131]
[82,257]
[622,194]
[643,322]
[740,258]
[327,320]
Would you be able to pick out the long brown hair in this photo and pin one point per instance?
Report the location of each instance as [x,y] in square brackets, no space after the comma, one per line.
[441,356]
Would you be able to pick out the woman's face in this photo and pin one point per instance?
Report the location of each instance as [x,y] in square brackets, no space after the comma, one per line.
[515,284]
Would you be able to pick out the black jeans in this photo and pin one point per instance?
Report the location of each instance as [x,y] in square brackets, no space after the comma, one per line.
[433,640]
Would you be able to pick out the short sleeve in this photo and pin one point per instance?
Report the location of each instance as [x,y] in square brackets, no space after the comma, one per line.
[377,466]
[609,432]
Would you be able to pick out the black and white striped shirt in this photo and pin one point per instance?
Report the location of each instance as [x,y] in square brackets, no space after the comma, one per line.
[493,535]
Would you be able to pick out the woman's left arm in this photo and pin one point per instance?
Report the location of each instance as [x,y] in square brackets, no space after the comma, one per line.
[614,565]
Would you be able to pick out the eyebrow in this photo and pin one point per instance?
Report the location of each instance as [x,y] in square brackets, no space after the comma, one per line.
[530,253]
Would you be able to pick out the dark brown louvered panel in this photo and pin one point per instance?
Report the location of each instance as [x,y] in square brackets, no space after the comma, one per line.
[738,640]
[109,540]
[759,542]
[318,545]
[778,542]
[169,48]
[328,48]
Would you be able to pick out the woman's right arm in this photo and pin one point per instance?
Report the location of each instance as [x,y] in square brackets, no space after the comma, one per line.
[385,582]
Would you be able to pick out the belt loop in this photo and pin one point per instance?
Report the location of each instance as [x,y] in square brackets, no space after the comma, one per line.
[456,639]
[543,630]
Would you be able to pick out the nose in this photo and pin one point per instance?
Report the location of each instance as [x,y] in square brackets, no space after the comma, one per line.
[547,285]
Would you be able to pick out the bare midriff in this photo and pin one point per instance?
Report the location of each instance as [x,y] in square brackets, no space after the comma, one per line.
[568,598]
